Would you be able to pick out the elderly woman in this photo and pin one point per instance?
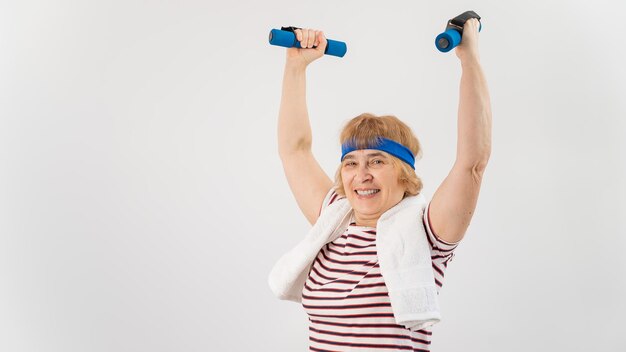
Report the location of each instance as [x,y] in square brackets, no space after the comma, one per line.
[344,288]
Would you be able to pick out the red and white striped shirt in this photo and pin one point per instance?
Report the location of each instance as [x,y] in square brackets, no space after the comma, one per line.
[346,298]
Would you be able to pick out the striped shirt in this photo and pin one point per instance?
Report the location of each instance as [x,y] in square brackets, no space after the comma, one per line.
[346,298]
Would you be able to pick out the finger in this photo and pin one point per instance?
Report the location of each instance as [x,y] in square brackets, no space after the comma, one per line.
[314,38]
[305,42]
[322,41]
[298,34]
[310,38]
[305,36]
[302,37]
[474,23]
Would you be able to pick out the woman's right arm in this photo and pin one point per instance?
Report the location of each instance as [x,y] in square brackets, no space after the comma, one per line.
[308,182]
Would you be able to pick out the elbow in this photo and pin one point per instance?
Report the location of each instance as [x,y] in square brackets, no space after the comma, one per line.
[478,168]
[295,146]
[482,162]
[477,162]
[481,158]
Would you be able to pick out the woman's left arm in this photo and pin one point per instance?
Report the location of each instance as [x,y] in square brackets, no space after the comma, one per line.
[454,202]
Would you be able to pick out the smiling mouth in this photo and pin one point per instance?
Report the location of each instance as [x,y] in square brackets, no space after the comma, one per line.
[368,192]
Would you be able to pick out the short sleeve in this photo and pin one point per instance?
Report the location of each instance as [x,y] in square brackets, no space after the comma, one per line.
[330,198]
[436,243]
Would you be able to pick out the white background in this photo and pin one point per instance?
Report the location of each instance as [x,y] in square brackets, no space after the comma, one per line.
[143,203]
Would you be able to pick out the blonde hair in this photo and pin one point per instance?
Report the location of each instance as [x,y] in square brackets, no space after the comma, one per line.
[363,131]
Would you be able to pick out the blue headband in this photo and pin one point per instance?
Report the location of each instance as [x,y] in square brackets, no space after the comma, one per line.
[387,145]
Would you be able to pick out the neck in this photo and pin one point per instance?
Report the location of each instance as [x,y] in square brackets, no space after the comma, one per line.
[364,221]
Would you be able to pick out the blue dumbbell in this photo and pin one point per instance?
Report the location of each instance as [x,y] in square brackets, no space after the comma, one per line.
[286,37]
[449,39]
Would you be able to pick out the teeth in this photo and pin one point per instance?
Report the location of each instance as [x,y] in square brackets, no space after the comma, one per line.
[368,192]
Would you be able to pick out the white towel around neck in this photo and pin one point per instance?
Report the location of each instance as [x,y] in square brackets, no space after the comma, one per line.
[403,256]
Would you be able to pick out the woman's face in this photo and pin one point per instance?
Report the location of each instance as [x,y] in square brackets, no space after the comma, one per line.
[371,184]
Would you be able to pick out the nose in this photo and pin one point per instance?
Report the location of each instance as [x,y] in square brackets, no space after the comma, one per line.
[363,174]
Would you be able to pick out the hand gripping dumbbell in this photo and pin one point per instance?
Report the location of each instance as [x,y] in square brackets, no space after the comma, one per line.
[449,39]
[286,37]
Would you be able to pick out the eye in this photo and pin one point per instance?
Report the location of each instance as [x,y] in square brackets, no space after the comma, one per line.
[377,161]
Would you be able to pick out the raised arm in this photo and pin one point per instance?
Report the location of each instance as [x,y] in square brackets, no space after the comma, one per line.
[454,202]
[308,182]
